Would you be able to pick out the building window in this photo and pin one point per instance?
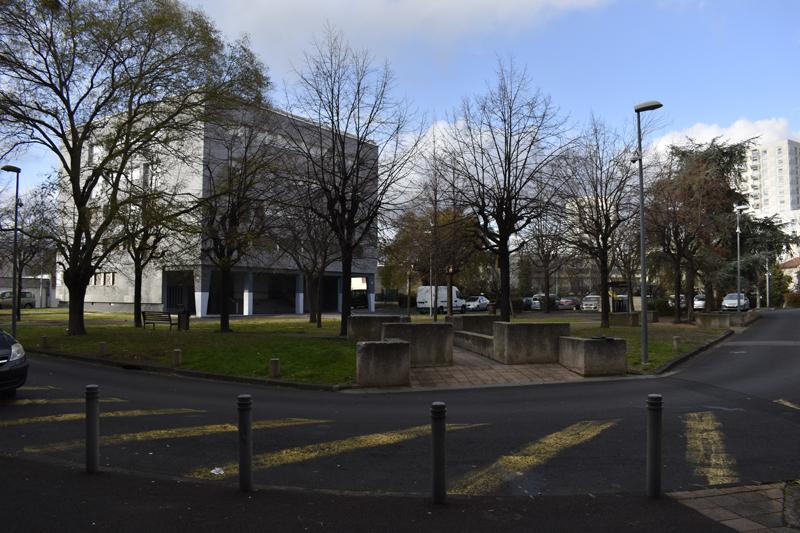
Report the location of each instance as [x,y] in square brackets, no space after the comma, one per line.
[104,279]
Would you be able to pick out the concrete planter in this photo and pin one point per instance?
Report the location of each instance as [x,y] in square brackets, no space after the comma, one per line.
[383,363]
[713,320]
[368,327]
[430,344]
[523,342]
[593,357]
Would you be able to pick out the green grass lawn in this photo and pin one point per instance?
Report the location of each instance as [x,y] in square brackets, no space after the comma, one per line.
[308,354]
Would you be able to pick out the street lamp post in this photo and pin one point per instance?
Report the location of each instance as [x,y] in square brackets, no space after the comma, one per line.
[768,273]
[738,209]
[639,109]
[14,289]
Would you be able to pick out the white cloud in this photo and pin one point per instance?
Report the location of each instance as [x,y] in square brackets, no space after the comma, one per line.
[766,130]
[280,31]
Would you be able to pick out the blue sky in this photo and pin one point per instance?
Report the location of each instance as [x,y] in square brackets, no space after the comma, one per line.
[721,67]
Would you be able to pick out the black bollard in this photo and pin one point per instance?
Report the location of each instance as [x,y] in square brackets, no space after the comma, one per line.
[438,416]
[92,429]
[654,407]
[245,403]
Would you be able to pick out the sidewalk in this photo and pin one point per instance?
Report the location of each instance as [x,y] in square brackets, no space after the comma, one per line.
[770,507]
[44,497]
[470,369]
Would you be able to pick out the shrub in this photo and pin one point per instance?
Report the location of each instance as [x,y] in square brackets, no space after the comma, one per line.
[791,299]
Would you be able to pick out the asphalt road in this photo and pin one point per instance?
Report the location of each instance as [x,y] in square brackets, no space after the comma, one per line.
[722,425]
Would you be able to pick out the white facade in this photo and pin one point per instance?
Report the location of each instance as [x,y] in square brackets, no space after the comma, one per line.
[771,181]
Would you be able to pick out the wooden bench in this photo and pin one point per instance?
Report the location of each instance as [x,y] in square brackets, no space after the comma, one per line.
[154,317]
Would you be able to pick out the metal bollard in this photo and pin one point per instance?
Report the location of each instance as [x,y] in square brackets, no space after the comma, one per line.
[676,343]
[177,357]
[43,342]
[274,368]
[92,429]
[654,407]
[101,348]
[438,416]
[245,404]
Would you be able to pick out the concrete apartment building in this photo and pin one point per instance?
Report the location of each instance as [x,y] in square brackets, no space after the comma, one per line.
[266,283]
[771,181]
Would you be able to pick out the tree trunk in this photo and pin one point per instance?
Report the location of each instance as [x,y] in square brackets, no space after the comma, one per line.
[689,292]
[310,293]
[604,307]
[449,294]
[320,290]
[347,274]
[77,294]
[677,266]
[137,294]
[225,293]
[18,296]
[630,294]
[546,287]
[711,303]
[504,301]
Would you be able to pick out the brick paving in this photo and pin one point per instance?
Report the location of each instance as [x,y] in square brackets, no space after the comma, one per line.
[745,508]
[472,370]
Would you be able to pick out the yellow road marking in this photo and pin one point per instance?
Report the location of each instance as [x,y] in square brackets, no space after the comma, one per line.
[787,403]
[80,416]
[326,449]
[705,449]
[37,388]
[492,477]
[171,433]
[59,401]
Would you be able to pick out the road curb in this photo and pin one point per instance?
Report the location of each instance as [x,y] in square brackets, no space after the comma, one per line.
[669,365]
[148,367]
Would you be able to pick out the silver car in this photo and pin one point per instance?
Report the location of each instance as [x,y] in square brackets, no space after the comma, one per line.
[27,300]
[590,302]
[730,302]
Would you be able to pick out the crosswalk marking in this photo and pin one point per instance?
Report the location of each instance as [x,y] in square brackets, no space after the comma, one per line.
[110,414]
[787,403]
[326,449]
[705,449]
[492,477]
[60,401]
[171,433]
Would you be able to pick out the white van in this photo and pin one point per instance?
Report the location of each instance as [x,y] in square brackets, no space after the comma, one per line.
[424,303]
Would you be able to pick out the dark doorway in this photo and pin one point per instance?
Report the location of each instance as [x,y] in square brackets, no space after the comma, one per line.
[180,291]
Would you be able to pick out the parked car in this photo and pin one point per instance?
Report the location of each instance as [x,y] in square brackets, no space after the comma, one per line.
[537,302]
[13,365]
[425,292]
[27,300]
[477,303]
[729,303]
[527,303]
[699,302]
[671,301]
[590,302]
[569,302]
[358,299]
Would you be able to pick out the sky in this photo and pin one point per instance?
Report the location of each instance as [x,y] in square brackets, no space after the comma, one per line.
[726,68]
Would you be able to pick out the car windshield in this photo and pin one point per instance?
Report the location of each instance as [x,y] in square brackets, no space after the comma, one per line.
[732,296]
[472,299]
[592,298]
[5,295]
[699,297]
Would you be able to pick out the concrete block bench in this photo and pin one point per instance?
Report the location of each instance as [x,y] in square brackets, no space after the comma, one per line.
[599,356]
[368,327]
[383,363]
[430,344]
[713,320]
[475,342]
[630,319]
[482,324]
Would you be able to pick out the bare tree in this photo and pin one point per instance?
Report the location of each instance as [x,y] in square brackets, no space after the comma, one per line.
[99,83]
[598,198]
[310,242]
[503,145]
[355,142]
[545,245]
[626,255]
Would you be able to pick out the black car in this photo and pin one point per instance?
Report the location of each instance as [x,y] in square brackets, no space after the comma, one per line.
[13,365]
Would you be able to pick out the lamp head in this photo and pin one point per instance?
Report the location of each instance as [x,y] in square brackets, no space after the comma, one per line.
[740,207]
[11,168]
[647,106]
